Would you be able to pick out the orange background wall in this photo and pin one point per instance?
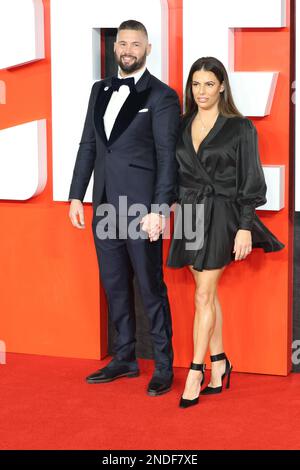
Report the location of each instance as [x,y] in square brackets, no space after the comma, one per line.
[50,302]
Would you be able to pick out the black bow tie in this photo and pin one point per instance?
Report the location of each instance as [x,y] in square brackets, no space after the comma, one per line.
[117,82]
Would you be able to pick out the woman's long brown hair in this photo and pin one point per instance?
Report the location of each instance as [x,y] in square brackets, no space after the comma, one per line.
[227,106]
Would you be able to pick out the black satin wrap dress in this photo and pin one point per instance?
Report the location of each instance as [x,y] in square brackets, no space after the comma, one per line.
[225,178]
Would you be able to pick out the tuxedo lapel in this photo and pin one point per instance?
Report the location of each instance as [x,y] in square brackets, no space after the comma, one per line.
[102,100]
[136,100]
[129,110]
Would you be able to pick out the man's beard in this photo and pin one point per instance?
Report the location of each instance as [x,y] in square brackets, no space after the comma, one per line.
[136,64]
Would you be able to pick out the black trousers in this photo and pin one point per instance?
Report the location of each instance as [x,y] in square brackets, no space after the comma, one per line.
[119,260]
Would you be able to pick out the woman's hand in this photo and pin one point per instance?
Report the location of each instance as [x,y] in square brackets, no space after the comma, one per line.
[242,244]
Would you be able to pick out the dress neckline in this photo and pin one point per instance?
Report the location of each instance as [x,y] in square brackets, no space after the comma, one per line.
[207,135]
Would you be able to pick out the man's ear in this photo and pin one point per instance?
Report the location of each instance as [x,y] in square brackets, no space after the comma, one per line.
[149,49]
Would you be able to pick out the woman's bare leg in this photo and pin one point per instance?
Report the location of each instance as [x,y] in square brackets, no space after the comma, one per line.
[204,324]
[216,347]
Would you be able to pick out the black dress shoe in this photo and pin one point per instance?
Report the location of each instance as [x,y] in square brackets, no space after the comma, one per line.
[108,374]
[158,386]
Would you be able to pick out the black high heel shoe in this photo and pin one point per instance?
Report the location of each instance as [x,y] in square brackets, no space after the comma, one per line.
[184,402]
[228,368]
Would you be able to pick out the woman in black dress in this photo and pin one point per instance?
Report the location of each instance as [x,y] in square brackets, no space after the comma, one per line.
[221,182]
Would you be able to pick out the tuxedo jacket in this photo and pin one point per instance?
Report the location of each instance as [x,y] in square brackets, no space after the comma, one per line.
[138,160]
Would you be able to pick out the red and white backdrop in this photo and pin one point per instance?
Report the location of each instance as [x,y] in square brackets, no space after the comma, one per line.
[50,55]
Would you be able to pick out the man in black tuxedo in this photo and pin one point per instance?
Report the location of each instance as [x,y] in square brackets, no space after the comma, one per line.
[129,140]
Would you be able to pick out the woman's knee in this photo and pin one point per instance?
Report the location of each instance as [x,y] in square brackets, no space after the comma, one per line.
[205,297]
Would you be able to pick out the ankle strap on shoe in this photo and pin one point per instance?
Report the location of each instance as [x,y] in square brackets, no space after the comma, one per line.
[218,357]
[200,367]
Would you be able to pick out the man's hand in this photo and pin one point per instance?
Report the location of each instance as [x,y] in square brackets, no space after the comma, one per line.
[154,224]
[76,213]
[242,244]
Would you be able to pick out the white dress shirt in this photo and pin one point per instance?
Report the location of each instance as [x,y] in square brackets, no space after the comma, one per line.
[116,102]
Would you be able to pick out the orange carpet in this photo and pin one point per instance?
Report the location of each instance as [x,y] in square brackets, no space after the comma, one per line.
[46,404]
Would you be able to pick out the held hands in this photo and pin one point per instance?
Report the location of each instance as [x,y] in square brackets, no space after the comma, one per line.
[76,213]
[154,225]
[242,244]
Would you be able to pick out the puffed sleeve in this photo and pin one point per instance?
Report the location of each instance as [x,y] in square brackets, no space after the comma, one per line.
[251,185]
